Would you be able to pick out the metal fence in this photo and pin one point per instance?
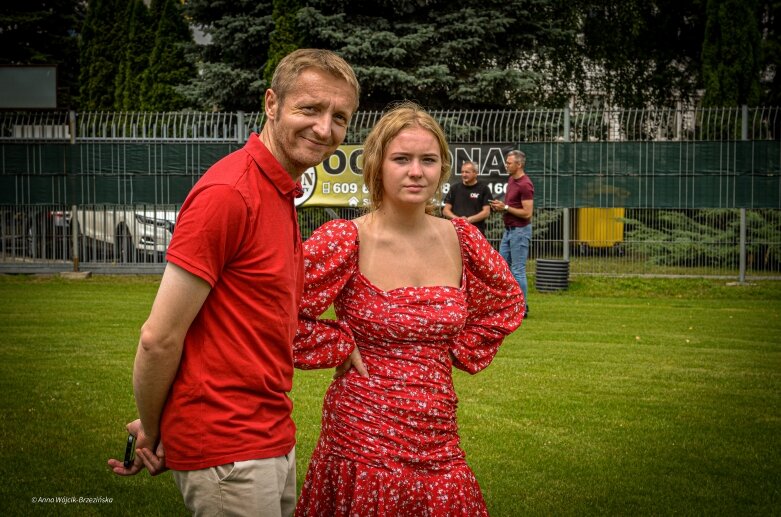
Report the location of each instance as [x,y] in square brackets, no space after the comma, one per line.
[609,239]
[461,126]
[731,243]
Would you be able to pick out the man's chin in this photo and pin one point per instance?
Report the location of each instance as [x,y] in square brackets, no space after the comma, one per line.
[317,157]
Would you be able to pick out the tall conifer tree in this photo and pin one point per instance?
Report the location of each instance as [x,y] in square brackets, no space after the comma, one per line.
[100,53]
[285,37]
[730,53]
[168,64]
[139,40]
[231,64]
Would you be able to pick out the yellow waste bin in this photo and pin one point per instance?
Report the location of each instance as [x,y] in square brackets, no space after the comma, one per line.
[600,227]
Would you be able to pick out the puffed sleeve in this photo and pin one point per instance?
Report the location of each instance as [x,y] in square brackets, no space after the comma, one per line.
[494,301]
[330,260]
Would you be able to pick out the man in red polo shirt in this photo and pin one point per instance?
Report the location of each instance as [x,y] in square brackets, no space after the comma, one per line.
[214,363]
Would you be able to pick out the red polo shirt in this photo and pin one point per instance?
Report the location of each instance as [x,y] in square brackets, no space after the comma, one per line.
[239,232]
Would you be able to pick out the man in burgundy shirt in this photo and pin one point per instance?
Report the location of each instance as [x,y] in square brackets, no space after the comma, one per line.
[214,363]
[518,209]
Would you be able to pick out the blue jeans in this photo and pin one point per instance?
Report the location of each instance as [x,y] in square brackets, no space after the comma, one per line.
[514,248]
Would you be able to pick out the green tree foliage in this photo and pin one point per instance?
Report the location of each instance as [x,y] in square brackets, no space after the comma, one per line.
[730,53]
[284,38]
[678,238]
[138,43]
[443,54]
[44,32]
[692,237]
[231,64]
[100,53]
[168,65]
[636,53]
[475,54]
[770,26]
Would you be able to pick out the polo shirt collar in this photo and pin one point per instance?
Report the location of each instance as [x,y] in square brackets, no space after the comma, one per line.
[271,168]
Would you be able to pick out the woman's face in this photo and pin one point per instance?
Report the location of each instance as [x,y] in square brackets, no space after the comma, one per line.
[411,167]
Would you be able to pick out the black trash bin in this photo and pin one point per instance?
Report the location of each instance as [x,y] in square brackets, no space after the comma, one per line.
[552,275]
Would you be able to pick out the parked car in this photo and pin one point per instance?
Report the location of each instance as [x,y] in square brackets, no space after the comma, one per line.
[49,234]
[34,231]
[125,233]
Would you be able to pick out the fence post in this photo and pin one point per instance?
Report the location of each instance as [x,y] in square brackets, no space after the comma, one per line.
[678,120]
[565,232]
[744,122]
[742,272]
[240,127]
[565,215]
[75,238]
[742,266]
[72,124]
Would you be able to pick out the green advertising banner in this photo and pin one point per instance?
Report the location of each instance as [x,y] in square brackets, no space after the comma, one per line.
[672,174]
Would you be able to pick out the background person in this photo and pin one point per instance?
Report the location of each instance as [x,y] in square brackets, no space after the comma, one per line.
[517,209]
[469,199]
[214,363]
[415,295]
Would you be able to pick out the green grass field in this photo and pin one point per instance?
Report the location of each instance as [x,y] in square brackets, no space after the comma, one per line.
[619,396]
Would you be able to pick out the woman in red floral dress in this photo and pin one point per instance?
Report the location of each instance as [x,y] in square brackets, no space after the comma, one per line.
[415,295]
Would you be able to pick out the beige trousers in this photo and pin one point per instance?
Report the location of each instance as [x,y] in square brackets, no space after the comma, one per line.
[263,488]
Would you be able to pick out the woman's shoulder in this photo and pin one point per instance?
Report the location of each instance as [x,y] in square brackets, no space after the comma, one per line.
[339,231]
[466,231]
[342,226]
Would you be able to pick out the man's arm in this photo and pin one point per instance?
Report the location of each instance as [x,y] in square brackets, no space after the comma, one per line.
[179,298]
[525,212]
[482,215]
[447,211]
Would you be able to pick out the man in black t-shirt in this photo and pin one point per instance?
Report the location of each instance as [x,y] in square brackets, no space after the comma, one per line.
[469,199]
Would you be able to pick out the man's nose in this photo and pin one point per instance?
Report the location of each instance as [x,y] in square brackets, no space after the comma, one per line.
[322,126]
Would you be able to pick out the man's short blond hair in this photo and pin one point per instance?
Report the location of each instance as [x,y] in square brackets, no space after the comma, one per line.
[293,64]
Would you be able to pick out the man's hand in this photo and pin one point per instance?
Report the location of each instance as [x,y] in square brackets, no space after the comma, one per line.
[153,461]
[496,205]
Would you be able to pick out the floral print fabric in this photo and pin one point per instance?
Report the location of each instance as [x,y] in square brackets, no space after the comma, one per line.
[389,443]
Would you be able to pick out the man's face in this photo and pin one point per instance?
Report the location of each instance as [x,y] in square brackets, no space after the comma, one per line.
[468,174]
[311,122]
[511,164]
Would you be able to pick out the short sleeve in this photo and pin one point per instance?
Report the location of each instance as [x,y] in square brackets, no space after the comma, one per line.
[209,231]
[487,196]
[494,301]
[449,196]
[330,260]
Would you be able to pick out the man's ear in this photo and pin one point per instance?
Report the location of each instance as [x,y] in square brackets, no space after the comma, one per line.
[270,104]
